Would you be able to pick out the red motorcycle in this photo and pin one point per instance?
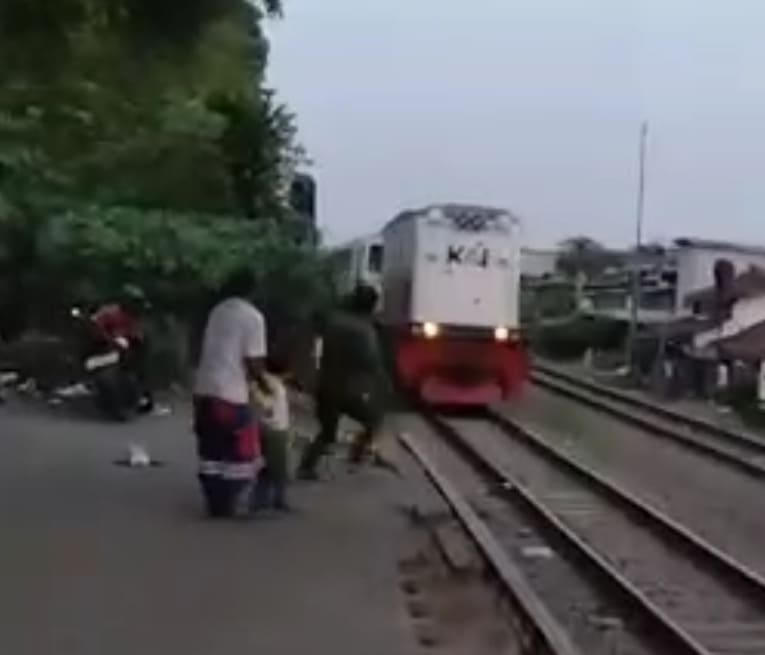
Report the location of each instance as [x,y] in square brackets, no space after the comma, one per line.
[110,373]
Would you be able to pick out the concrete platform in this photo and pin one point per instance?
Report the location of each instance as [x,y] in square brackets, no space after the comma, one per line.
[98,559]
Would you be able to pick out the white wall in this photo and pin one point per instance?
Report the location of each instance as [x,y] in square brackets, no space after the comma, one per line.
[695,269]
[398,263]
[538,263]
[746,313]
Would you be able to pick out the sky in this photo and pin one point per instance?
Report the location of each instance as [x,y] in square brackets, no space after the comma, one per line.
[532,105]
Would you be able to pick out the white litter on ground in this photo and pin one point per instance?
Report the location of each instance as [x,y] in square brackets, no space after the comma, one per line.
[606,622]
[30,387]
[73,391]
[8,378]
[138,456]
[537,552]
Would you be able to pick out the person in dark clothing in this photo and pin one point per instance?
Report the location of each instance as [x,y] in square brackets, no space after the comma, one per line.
[351,381]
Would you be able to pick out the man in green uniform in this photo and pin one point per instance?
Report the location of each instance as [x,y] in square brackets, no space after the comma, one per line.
[352,379]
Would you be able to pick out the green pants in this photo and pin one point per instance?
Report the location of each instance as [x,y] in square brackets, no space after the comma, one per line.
[271,487]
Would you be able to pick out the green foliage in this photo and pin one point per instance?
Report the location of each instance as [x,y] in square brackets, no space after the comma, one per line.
[547,301]
[570,339]
[742,397]
[584,257]
[176,258]
[134,137]
[152,104]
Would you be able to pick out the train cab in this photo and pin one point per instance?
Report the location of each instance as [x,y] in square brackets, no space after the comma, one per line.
[451,285]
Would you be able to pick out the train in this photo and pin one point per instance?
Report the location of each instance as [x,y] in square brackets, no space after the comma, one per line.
[359,261]
[449,277]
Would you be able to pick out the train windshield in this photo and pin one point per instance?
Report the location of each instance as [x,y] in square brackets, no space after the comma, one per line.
[375,258]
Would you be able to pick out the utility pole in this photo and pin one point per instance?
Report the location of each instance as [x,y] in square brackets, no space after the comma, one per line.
[635,296]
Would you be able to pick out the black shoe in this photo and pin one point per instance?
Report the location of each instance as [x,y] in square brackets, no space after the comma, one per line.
[283,507]
[308,475]
[358,456]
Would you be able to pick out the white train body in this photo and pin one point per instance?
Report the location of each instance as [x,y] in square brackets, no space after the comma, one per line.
[453,266]
[451,285]
[359,262]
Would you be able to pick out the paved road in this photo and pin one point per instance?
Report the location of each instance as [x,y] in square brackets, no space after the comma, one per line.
[98,559]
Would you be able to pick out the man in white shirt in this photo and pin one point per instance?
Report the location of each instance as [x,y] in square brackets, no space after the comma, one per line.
[233,352]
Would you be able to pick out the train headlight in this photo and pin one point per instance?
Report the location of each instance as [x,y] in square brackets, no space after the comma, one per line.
[501,333]
[430,330]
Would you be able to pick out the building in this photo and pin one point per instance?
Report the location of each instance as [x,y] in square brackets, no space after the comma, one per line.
[696,260]
[746,307]
[610,294]
[302,200]
[732,343]
[539,263]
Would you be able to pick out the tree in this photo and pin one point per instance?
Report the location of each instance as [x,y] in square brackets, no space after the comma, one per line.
[147,103]
[128,130]
[584,257]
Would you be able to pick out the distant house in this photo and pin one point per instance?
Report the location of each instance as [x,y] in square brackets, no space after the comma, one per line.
[539,264]
[611,292]
[746,346]
[695,261]
[746,310]
[735,333]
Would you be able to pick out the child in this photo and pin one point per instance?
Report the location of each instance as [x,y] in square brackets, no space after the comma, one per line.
[273,412]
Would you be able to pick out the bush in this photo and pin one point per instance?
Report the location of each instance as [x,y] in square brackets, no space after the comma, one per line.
[179,260]
[570,339]
[175,258]
[547,301]
[742,397]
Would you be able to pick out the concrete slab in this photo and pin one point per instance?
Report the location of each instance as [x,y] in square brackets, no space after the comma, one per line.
[99,559]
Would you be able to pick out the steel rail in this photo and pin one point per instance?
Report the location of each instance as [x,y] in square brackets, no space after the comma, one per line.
[738,573]
[544,636]
[664,629]
[734,449]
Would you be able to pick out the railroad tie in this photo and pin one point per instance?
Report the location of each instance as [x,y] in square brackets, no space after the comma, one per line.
[731,637]
[572,504]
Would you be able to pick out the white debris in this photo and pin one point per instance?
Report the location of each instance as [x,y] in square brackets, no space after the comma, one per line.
[138,456]
[73,391]
[30,387]
[347,437]
[537,552]
[606,622]
[162,410]
[8,378]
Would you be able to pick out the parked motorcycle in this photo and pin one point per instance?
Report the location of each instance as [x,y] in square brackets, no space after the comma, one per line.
[108,374]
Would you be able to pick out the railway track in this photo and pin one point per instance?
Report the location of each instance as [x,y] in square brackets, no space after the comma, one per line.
[542,633]
[691,597]
[739,450]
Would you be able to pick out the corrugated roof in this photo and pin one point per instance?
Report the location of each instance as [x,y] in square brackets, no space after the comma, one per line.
[711,244]
[454,211]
